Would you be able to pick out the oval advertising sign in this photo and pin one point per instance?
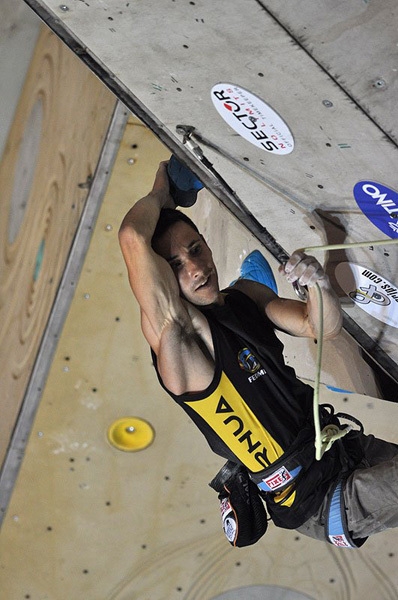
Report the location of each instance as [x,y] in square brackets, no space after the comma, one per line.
[252,118]
[380,204]
[371,292]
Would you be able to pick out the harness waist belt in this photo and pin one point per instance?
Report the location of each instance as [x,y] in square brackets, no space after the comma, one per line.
[279,479]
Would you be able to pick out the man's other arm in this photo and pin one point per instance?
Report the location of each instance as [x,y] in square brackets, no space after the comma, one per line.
[293,316]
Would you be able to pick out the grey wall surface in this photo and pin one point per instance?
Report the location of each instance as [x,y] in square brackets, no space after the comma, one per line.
[19,28]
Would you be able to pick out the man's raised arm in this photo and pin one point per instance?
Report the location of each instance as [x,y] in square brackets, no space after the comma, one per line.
[151,277]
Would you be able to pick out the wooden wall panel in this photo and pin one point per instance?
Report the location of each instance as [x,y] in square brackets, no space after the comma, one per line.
[51,152]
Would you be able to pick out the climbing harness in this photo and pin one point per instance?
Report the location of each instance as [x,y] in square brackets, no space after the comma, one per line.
[244,518]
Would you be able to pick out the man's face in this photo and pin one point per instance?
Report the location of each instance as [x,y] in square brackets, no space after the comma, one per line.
[191,260]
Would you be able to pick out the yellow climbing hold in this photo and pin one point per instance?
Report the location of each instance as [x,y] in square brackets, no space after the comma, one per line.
[131,434]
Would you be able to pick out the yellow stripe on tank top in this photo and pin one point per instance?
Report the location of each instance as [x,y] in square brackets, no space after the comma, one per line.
[233,421]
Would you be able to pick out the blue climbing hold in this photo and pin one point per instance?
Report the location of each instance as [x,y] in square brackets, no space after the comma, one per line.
[256,268]
[184,185]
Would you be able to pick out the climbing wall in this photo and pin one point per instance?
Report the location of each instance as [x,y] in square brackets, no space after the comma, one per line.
[49,159]
[90,520]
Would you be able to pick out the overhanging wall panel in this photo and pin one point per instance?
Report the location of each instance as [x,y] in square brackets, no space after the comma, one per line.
[163,59]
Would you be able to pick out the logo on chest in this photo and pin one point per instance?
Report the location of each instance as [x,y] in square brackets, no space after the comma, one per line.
[248,361]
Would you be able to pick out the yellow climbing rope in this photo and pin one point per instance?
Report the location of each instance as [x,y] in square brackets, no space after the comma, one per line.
[325,438]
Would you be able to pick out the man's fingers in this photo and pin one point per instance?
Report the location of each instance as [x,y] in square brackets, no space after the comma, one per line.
[294,260]
[306,270]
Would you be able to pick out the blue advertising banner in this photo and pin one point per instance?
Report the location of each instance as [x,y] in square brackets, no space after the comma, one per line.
[380,204]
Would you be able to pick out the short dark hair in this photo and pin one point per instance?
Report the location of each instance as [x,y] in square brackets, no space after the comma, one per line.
[167,218]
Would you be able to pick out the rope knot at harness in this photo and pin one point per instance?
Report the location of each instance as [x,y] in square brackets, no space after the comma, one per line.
[330,434]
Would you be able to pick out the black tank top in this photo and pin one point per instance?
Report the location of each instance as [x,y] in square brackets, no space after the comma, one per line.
[255,407]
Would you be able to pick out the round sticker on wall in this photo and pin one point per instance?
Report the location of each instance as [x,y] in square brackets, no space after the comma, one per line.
[252,118]
[380,204]
[371,292]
